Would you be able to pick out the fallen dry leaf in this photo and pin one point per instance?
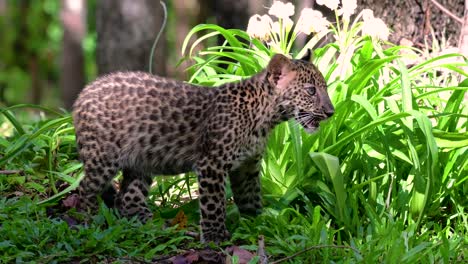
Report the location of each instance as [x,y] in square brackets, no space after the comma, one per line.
[70,220]
[18,193]
[207,256]
[72,201]
[187,258]
[243,255]
[180,220]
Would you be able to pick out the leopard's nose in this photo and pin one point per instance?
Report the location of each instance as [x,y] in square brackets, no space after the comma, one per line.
[329,112]
[327,106]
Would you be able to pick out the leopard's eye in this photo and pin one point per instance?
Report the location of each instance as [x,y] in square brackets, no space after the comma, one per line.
[311,90]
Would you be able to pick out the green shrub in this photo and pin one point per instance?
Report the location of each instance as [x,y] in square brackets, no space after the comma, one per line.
[394,153]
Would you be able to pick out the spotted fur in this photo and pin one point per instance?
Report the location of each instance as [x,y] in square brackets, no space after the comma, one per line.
[145,125]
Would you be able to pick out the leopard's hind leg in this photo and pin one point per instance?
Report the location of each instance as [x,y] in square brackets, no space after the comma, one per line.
[131,200]
[99,171]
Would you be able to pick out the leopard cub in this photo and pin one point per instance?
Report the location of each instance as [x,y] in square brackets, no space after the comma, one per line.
[145,125]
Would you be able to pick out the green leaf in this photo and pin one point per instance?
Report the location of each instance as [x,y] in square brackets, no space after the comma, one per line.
[27,141]
[360,78]
[406,94]
[330,167]
[59,195]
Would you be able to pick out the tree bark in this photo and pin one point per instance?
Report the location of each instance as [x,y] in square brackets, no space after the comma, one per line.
[414,20]
[126,30]
[72,77]
[3,8]
[28,57]
[463,42]
[188,15]
[36,87]
[232,14]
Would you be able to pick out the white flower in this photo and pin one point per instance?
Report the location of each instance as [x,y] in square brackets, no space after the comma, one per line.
[311,21]
[286,24]
[347,8]
[375,27]
[281,10]
[367,14]
[259,27]
[332,4]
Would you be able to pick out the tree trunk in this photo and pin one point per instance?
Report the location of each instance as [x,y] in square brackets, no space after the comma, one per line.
[463,43]
[231,14]
[72,77]
[3,9]
[126,30]
[36,87]
[414,20]
[188,13]
[3,5]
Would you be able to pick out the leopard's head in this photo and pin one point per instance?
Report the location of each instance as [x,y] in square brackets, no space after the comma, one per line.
[301,91]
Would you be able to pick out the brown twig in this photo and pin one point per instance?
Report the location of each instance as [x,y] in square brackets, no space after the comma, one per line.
[446,11]
[427,19]
[10,172]
[311,248]
[133,260]
[261,250]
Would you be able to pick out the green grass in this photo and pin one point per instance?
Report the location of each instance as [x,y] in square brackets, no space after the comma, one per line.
[28,234]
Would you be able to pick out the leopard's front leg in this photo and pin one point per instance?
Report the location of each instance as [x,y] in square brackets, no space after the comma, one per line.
[245,185]
[211,186]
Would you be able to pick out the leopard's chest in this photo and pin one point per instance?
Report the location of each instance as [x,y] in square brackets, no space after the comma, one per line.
[253,148]
[256,145]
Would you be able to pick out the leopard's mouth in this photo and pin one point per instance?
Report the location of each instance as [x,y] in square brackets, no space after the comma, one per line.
[309,121]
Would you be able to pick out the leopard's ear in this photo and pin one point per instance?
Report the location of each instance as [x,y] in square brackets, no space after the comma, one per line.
[308,56]
[280,72]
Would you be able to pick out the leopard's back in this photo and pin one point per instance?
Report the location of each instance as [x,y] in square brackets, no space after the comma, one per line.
[135,119]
